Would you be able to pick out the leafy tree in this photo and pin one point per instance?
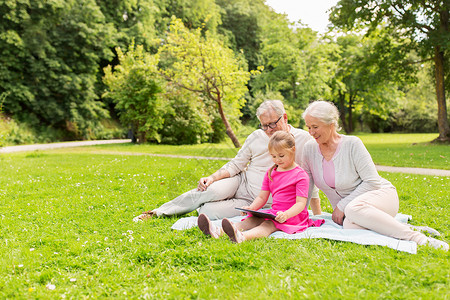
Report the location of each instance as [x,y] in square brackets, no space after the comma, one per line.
[49,57]
[294,61]
[187,120]
[416,110]
[134,20]
[423,25]
[242,25]
[205,66]
[134,87]
[361,83]
[194,14]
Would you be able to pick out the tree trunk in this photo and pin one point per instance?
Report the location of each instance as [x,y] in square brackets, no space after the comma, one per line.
[444,129]
[341,108]
[228,128]
[350,114]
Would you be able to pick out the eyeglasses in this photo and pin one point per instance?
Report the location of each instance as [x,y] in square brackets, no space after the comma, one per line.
[271,125]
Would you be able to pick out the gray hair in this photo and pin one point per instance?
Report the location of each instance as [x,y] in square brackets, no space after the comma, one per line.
[275,105]
[325,111]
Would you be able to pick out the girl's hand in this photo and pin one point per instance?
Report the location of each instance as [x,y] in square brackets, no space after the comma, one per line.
[338,216]
[281,217]
[243,213]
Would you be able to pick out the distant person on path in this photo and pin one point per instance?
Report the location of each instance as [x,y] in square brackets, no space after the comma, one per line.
[238,182]
[288,184]
[343,169]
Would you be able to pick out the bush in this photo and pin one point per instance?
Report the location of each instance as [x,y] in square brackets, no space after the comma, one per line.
[185,120]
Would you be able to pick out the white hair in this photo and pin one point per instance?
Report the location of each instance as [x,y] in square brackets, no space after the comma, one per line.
[275,105]
[325,111]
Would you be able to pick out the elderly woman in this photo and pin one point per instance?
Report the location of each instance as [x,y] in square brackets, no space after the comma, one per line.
[343,169]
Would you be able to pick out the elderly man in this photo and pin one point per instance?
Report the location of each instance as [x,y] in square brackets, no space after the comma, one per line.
[239,181]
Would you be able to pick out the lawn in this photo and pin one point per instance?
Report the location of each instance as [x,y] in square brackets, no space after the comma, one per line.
[66,224]
[400,150]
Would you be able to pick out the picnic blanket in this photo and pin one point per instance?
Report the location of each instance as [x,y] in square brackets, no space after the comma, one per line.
[329,230]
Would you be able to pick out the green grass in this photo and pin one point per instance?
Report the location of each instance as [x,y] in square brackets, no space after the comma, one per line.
[66,220]
[400,150]
[407,150]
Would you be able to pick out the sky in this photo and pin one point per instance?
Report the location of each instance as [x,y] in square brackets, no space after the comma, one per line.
[312,13]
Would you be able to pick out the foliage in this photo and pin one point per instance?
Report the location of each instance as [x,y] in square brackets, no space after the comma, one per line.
[49,54]
[2,121]
[193,14]
[417,111]
[295,63]
[420,25]
[242,25]
[135,87]
[203,65]
[53,55]
[186,120]
[134,21]
[366,80]
[66,221]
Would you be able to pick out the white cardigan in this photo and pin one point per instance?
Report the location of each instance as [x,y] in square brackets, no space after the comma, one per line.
[355,172]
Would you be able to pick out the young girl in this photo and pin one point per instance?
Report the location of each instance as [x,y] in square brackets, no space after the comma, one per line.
[289,186]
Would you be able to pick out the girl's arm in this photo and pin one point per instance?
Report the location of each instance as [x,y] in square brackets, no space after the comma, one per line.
[295,209]
[259,201]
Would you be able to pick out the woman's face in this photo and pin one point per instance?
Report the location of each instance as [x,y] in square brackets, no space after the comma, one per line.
[319,130]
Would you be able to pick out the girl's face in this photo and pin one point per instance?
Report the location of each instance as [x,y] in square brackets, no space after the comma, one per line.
[284,158]
[319,130]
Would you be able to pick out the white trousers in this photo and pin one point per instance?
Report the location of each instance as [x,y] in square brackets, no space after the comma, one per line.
[375,210]
[217,202]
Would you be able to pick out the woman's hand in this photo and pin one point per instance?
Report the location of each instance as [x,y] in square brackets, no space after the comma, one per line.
[281,217]
[204,182]
[338,216]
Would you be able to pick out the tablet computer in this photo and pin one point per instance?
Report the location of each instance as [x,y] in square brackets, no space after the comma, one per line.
[257,213]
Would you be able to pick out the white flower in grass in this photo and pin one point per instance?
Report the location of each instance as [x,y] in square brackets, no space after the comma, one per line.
[72,279]
[50,286]
[20,266]
[31,249]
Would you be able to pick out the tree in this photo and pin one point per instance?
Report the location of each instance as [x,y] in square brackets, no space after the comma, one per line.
[49,57]
[294,61]
[134,87]
[363,79]
[134,21]
[424,25]
[242,26]
[205,66]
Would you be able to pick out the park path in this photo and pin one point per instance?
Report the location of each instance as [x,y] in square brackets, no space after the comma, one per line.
[34,147]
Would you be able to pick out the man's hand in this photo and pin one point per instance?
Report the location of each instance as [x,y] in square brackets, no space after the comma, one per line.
[204,182]
[338,216]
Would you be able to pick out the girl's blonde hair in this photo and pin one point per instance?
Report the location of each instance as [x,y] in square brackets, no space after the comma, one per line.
[281,140]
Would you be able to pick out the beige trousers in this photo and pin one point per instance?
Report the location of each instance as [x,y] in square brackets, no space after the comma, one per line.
[217,202]
[375,210]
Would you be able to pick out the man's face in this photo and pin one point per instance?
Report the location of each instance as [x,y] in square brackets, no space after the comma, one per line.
[270,117]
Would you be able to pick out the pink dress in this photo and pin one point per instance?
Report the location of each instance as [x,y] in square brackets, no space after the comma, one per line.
[286,185]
